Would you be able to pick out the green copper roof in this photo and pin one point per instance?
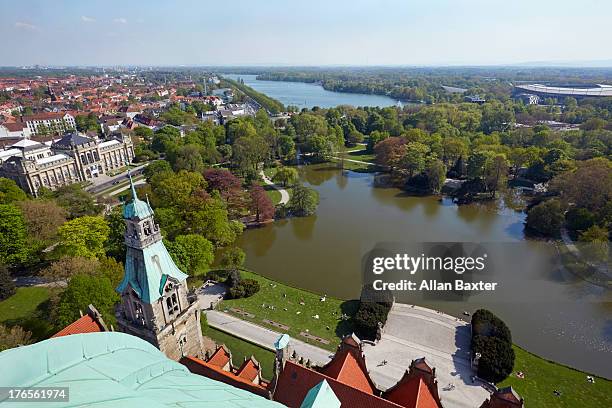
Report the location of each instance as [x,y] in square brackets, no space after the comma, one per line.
[136,208]
[282,341]
[115,370]
[321,396]
[149,282]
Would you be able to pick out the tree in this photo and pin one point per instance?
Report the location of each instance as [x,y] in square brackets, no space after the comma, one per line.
[66,267]
[261,204]
[115,244]
[320,146]
[248,152]
[476,164]
[286,147]
[389,151]
[15,336]
[82,291]
[545,218]
[304,201]
[436,175]
[188,158]
[43,218]
[84,236]
[10,192]
[596,243]
[496,171]
[14,248]
[156,167]
[286,176]
[452,149]
[75,200]
[413,160]
[579,219]
[232,258]
[374,138]
[7,286]
[193,253]
[589,186]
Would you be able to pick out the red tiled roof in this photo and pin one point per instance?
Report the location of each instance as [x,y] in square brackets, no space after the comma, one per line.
[348,367]
[14,126]
[200,367]
[248,370]
[295,381]
[220,357]
[44,116]
[413,393]
[85,324]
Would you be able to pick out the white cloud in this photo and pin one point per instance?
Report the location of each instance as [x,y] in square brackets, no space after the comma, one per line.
[120,20]
[87,19]
[26,26]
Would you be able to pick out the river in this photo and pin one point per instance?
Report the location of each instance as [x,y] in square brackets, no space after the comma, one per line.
[305,95]
[554,315]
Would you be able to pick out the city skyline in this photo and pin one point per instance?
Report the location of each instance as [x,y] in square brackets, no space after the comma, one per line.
[360,33]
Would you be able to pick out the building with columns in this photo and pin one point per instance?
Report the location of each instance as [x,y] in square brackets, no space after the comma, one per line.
[154,301]
[70,159]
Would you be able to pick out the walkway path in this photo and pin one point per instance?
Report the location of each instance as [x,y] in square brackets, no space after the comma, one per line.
[262,336]
[284,194]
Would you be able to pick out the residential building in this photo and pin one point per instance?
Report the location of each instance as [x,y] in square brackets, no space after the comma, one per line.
[14,130]
[49,122]
[70,159]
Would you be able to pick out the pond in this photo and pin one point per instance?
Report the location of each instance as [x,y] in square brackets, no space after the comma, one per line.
[554,315]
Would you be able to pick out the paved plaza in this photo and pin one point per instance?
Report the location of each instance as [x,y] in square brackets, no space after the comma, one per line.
[413,332]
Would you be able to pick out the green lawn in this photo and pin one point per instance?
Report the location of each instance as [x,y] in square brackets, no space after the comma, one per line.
[242,349]
[542,377]
[298,317]
[273,193]
[28,308]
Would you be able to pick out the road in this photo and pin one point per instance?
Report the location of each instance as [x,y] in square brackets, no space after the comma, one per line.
[284,194]
[106,182]
[263,337]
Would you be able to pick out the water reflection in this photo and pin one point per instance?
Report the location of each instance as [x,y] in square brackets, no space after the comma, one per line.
[555,314]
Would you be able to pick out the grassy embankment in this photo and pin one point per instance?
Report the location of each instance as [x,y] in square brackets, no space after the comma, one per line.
[298,317]
[542,377]
[242,349]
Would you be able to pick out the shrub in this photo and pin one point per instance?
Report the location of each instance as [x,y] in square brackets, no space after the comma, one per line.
[485,323]
[7,286]
[246,288]
[233,278]
[496,358]
[367,317]
[491,338]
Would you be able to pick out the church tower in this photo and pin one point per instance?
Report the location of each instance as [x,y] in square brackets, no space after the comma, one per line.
[154,303]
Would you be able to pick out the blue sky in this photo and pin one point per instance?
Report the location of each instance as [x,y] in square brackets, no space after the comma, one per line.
[312,32]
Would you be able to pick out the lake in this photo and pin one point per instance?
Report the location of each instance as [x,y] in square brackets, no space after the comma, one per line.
[305,95]
[554,315]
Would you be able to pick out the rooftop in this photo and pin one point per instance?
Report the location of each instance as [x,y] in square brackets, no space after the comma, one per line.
[117,370]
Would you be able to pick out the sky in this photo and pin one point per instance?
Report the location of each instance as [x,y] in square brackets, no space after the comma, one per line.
[311,32]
